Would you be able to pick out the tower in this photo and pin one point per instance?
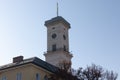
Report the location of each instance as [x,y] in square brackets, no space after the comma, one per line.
[57,41]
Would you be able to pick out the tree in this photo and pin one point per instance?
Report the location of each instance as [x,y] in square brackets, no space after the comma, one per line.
[92,72]
[110,75]
[95,72]
[63,73]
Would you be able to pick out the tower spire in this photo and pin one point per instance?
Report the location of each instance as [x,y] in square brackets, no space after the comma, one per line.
[57,9]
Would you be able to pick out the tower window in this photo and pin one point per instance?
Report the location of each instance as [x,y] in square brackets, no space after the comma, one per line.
[64,37]
[64,48]
[54,36]
[54,47]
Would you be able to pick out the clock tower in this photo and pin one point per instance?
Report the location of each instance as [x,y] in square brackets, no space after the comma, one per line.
[57,41]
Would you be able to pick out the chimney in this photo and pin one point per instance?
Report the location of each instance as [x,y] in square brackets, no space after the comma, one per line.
[17,59]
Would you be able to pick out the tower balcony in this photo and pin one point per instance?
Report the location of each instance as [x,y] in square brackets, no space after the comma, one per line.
[61,51]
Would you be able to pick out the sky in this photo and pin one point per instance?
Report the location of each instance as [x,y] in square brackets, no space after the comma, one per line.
[94,36]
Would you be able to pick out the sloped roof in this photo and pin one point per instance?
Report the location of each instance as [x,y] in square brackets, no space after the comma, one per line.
[35,61]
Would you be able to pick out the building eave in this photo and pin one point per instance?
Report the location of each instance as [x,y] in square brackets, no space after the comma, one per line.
[36,61]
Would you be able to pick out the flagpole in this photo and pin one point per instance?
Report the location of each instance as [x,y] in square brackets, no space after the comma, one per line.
[57,9]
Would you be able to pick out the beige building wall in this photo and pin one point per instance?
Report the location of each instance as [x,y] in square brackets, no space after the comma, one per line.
[28,72]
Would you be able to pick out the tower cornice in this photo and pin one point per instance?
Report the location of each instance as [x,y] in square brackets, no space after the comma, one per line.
[68,54]
[57,20]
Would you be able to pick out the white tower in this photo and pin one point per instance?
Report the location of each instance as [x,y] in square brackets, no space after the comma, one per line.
[57,41]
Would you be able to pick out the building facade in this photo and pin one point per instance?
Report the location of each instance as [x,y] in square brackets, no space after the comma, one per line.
[35,68]
[26,69]
[57,41]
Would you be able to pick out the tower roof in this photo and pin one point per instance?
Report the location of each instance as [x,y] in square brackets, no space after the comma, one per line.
[57,20]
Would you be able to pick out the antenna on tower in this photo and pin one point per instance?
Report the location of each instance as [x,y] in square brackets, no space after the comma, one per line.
[57,9]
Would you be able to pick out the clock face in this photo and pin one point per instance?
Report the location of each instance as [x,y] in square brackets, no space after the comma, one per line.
[54,36]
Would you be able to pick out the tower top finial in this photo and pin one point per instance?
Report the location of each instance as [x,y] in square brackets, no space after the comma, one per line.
[57,9]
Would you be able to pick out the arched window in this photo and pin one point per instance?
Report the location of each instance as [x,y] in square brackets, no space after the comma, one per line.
[53,28]
[64,48]
[64,37]
[54,47]
[37,76]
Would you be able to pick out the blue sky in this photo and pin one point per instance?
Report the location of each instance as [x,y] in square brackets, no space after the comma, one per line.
[94,34]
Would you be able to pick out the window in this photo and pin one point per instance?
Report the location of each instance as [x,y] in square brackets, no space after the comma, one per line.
[37,76]
[19,76]
[4,78]
[54,47]
[64,48]
[64,37]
